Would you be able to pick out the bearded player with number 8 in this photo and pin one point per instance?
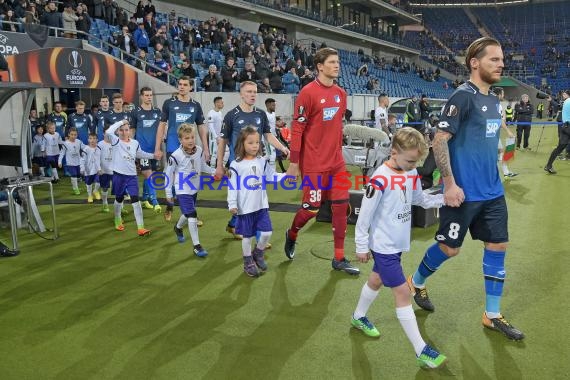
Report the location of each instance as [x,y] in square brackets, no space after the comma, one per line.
[465,149]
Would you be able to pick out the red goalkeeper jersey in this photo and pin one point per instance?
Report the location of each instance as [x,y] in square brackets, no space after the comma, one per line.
[316,142]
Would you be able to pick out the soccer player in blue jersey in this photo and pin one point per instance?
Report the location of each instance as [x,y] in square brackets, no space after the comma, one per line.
[235,120]
[465,149]
[146,119]
[80,121]
[59,118]
[101,116]
[175,111]
[117,113]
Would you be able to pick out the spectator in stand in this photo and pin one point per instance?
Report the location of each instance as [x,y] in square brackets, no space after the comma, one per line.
[139,12]
[149,24]
[264,87]
[307,78]
[291,82]
[176,37]
[83,23]
[212,82]
[96,9]
[249,58]
[275,79]
[4,7]
[215,37]
[141,38]
[149,8]
[229,76]
[158,47]
[51,17]
[161,37]
[161,64]
[32,16]
[245,48]
[248,74]
[141,61]
[299,68]
[69,19]
[132,24]
[110,12]
[10,18]
[228,49]
[126,42]
[184,68]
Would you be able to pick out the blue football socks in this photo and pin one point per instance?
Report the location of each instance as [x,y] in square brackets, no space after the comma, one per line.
[433,258]
[494,273]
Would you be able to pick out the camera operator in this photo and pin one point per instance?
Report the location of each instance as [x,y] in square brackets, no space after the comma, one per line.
[564,135]
[523,114]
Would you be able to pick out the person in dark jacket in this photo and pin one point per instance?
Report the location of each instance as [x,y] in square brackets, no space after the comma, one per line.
[83,24]
[212,81]
[52,17]
[523,114]
[229,76]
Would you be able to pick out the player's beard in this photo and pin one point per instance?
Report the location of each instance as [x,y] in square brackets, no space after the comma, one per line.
[487,77]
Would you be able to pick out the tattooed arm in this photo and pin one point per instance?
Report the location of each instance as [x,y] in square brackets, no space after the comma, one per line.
[453,194]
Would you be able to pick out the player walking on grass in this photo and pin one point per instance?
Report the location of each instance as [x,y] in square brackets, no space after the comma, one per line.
[316,153]
[383,232]
[175,111]
[187,161]
[465,149]
[125,151]
[247,198]
[146,119]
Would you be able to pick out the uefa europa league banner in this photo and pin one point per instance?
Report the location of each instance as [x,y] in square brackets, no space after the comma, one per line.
[73,68]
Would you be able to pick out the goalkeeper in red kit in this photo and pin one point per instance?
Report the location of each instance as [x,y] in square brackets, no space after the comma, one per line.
[316,153]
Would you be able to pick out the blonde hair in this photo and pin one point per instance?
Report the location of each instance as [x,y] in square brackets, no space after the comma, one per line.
[408,138]
[185,128]
[477,49]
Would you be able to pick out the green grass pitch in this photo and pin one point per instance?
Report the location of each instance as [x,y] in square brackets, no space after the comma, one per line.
[102,304]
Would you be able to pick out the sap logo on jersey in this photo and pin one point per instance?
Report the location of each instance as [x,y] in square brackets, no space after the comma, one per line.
[182,117]
[328,113]
[493,126]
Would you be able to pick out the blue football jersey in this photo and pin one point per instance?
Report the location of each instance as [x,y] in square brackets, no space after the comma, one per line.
[176,112]
[236,119]
[474,120]
[146,122]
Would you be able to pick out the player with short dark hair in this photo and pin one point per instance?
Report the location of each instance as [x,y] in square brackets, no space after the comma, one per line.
[465,149]
[177,110]
[316,152]
[146,118]
[101,117]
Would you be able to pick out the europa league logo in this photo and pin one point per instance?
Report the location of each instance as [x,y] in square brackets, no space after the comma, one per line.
[75,59]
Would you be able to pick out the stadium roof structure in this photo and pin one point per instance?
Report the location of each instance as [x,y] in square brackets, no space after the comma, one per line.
[462,3]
